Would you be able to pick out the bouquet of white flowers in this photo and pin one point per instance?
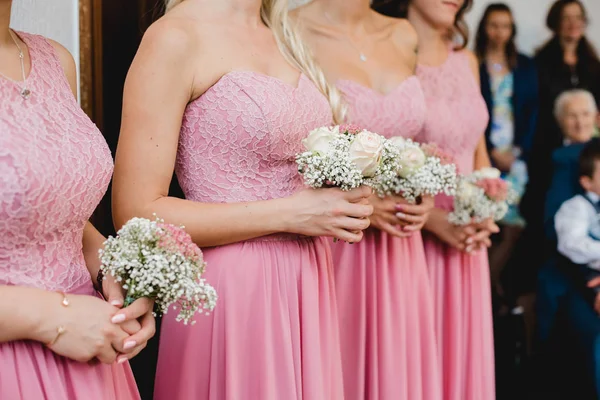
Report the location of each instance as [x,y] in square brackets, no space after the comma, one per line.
[341,156]
[415,170]
[159,261]
[480,196]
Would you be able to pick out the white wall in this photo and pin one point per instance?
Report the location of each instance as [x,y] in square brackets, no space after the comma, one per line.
[56,19]
[530,16]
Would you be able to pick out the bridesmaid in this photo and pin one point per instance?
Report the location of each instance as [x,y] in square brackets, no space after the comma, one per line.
[459,270]
[54,168]
[384,297]
[222,92]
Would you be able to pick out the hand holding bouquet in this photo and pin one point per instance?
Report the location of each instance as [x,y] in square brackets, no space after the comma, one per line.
[415,170]
[481,195]
[340,156]
[159,261]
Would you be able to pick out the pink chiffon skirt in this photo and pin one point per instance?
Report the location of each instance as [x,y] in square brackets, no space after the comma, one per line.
[273,335]
[463,316]
[386,319]
[29,371]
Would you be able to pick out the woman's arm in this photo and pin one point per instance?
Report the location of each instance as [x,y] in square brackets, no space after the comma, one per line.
[481,157]
[24,313]
[161,82]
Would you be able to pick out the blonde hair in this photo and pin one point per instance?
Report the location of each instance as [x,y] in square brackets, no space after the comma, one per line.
[275,15]
[169,4]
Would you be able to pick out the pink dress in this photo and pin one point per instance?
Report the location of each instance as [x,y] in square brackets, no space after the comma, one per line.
[274,332]
[461,283]
[384,296]
[54,168]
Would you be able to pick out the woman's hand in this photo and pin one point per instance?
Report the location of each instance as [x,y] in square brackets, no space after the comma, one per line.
[141,313]
[384,215]
[137,319]
[88,330]
[481,238]
[414,216]
[330,212]
[503,159]
[453,235]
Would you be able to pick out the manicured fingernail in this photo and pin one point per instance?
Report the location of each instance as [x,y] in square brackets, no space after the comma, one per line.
[122,359]
[116,303]
[469,249]
[398,207]
[130,344]
[400,215]
[469,240]
[118,318]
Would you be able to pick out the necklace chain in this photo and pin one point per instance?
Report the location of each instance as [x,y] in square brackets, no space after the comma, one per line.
[25,92]
[361,55]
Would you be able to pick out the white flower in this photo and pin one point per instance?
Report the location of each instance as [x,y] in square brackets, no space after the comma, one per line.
[488,173]
[319,140]
[397,141]
[411,159]
[466,191]
[365,152]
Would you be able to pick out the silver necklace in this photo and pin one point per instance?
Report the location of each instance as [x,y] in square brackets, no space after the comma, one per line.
[25,92]
[361,55]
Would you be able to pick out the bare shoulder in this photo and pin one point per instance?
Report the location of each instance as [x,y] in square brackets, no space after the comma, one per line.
[473,62]
[405,33]
[168,38]
[67,63]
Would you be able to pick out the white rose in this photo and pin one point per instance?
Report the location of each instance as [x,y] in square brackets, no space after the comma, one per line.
[411,159]
[465,191]
[318,140]
[489,173]
[365,152]
[398,141]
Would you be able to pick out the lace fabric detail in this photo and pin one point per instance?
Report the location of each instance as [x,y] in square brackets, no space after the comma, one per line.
[239,140]
[457,114]
[400,112]
[54,168]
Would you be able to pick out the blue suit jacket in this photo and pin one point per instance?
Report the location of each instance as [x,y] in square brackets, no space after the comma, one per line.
[524,102]
[565,183]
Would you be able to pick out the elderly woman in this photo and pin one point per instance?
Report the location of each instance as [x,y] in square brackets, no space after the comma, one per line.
[576,112]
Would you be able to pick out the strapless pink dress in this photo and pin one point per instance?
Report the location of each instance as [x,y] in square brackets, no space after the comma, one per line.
[384,295]
[274,333]
[461,282]
[54,168]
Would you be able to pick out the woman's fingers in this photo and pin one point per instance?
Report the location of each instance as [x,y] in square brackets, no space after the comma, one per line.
[134,311]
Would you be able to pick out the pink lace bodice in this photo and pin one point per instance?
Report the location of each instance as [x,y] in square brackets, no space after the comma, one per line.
[456,112]
[400,112]
[54,168]
[239,140]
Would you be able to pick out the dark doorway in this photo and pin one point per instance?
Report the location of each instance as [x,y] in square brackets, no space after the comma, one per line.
[122,27]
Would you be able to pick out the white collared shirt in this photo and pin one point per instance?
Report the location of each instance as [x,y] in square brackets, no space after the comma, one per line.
[577,225]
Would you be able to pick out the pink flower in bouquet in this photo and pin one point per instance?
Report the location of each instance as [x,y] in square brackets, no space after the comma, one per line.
[350,129]
[433,150]
[495,189]
[176,239]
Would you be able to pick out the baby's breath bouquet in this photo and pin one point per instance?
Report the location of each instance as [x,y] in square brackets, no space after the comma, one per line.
[480,196]
[159,261]
[415,170]
[343,156]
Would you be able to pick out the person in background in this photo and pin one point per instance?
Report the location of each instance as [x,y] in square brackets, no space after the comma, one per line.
[458,267]
[560,288]
[576,222]
[509,87]
[567,61]
[576,112]
[58,338]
